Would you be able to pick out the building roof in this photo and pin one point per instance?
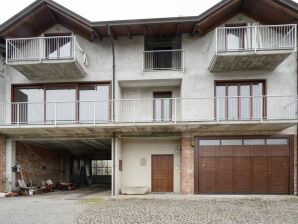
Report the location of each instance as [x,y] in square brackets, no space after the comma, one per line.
[43,14]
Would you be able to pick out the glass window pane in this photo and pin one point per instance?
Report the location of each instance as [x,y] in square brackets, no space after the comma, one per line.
[110,164]
[109,171]
[31,108]
[209,142]
[233,102]
[257,92]
[245,102]
[66,106]
[99,163]
[221,101]
[231,142]
[94,103]
[158,104]
[254,141]
[276,141]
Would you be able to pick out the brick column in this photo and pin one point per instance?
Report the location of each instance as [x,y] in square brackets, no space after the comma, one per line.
[295,164]
[2,164]
[187,166]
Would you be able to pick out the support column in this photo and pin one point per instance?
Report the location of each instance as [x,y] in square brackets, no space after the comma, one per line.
[2,164]
[187,166]
[10,162]
[116,157]
[118,172]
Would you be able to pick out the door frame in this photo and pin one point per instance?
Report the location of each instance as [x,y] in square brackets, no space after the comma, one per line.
[291,156]
[172,155]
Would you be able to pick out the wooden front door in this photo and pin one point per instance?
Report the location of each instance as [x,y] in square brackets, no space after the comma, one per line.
[162,173]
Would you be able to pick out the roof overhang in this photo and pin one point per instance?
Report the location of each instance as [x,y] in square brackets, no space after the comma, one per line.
[43,14]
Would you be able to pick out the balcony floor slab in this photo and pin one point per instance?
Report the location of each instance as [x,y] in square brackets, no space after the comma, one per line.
[53,69]
[131,129]
[248,60]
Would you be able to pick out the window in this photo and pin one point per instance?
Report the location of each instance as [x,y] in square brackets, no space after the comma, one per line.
[94,96]
[29,108]
[58,46]
[93,103]
[101,167]
[162,105]
[163,53]
[240,100]
[235,37]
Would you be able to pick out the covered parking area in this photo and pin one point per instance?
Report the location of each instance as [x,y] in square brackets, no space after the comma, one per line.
[69,163]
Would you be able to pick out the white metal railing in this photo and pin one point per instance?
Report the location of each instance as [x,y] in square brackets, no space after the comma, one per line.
[256,38]
[43,49]
[216,109]
[163,60]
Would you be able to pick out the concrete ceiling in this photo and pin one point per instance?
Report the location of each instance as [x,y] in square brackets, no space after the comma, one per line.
[87,148]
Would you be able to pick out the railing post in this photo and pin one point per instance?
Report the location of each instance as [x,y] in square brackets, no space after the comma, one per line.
[216,40]
[261,109]
[74,47]
[40,49]
[255,39]
[134,111]
[217,109]
[94,113]
[18,114]
[175,110]
[7,51]
[55,108]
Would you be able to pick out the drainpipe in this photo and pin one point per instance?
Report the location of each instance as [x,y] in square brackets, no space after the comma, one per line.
[113,107]
[297,108]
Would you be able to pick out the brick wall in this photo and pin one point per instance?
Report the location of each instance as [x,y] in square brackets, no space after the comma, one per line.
[187,166]
[2,163]
[37,163]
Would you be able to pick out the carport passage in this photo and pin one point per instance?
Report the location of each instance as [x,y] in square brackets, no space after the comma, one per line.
[62,160]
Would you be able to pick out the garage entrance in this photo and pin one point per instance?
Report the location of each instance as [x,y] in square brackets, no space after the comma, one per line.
[256,166]
[67,163]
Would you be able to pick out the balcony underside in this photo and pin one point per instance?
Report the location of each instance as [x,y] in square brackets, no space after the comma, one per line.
[246,61]
[53,69]
[139,129]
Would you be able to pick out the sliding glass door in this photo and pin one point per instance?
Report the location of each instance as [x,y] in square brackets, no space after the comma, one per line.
[61,103]
[240,100]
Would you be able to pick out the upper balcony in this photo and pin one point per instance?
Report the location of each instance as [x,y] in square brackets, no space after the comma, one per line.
[214,114]
[252,47]
[163,60]
[47,57]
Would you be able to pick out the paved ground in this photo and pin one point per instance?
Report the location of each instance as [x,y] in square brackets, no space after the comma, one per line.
[93,205]
[194,209]
[53,208]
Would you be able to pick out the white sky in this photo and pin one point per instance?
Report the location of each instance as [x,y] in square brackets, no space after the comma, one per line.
[98,10]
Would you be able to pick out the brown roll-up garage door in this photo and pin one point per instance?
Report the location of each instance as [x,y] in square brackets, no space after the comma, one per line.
[257,166]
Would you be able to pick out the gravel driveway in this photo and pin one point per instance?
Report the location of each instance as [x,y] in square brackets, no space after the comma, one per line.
[193,209]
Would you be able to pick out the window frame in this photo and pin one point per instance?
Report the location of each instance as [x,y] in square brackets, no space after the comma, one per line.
[75,85]
[241,36]
[238,83]
[96,167]
[155,94]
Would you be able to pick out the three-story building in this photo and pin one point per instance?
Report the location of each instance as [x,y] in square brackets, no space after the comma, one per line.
[202,104]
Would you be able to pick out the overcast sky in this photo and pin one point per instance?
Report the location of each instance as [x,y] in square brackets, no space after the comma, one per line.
[98,10]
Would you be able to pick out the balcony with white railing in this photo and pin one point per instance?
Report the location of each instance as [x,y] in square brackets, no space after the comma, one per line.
[163,60]
[252,47]
[47,57]
[148,112]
